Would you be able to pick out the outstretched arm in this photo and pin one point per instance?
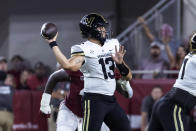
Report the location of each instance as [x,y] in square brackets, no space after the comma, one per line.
[170,55]
[146,28]
[57,76]
[123,68]
[73,64]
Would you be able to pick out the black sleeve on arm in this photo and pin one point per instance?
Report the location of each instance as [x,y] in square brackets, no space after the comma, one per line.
[124,71]
[58,76]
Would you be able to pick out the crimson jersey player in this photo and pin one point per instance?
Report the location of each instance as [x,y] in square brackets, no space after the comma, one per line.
[70,111]
[73,100]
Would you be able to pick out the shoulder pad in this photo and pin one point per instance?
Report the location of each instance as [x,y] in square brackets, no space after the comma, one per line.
[77,50]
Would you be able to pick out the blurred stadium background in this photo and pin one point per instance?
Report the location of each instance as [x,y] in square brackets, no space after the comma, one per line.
[20,23]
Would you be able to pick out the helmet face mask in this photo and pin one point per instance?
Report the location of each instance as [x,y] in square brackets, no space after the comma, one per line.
[90,26]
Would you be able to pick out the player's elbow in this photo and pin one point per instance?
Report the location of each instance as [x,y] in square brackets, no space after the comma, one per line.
[66,66]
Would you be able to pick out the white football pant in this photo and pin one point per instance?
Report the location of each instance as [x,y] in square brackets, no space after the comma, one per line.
[68,121]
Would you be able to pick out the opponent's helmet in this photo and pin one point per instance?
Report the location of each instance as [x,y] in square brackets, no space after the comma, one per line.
[89,24]
[192,42]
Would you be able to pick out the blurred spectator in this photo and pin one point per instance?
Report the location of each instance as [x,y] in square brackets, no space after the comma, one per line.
[3,64]
[24,76]
[147,105]
[48,70]
[177,60]
[155,62]
[166,36]
[16,66]
[39,79]
[17,63]
[10,80]
[6,96]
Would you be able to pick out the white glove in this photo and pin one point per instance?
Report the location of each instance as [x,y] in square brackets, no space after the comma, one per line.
[82,92]
[129,89]
[45,104]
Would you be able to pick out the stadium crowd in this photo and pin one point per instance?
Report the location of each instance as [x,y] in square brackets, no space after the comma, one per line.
[19,74]
[166,53]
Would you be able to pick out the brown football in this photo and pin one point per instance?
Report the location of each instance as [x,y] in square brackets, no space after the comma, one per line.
[48,30]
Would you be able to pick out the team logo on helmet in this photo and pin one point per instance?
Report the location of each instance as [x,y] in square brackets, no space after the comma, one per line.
[87,21]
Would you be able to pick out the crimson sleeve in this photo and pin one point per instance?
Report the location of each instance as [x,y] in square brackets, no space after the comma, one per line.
[58,76]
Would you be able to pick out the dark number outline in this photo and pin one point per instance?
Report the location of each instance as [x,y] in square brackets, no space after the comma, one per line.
[112,67]
[183,70]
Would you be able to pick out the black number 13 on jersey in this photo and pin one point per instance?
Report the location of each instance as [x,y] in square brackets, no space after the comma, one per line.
[110,63]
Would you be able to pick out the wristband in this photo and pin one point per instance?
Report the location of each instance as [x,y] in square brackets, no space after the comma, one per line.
[52,44]
[124,71]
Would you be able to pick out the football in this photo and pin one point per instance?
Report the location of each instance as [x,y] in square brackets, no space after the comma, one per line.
[48,30]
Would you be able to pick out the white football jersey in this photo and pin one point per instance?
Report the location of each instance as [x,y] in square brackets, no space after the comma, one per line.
[98,67]
[187,75]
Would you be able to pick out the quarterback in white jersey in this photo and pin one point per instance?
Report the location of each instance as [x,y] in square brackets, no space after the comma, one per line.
[169,114]
[97,59]
[98,69]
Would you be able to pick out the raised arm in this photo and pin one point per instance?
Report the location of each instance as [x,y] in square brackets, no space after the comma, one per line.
[123,68]
[55,77]
[146,29]
[169,54]
[73,64]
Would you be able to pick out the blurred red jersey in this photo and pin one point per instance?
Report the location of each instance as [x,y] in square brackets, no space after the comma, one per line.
[73,100]
[35,83]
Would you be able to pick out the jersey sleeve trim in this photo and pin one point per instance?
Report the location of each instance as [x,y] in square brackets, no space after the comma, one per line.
[77,50]
[79,53]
